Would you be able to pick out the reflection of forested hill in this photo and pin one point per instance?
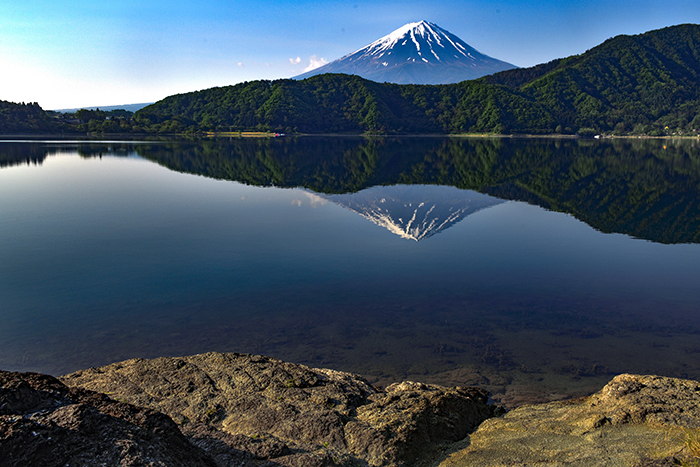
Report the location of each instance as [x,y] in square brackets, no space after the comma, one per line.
[13,153]
[20,153]
[648,189]
[645,188]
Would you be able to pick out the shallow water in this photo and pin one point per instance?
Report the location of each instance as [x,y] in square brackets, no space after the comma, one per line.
[121,250]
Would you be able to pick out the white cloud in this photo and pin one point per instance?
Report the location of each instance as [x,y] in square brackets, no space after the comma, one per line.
[295,61]
[315,62]
[312,199]
[240,64]
[315,200]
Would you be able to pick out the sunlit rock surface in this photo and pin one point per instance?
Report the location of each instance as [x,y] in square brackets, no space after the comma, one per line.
[255,408]
[633,420]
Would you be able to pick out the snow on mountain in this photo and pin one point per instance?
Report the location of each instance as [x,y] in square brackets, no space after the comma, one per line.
[414,212]
[417,53]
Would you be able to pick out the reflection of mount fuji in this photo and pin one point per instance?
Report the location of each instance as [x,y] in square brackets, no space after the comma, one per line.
[414,211]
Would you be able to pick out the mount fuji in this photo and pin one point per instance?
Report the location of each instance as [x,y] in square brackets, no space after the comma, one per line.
[417,53]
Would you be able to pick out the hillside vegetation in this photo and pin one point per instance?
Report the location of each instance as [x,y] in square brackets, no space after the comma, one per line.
[645,84]
[23,118]
[334,103]
[642,84]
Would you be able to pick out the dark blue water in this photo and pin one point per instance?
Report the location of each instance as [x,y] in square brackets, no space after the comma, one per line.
[113,256]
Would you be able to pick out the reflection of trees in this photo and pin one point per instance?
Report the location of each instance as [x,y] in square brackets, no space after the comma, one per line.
[645,188]
[27,153]
[20,153]
[648,189]
[329,165]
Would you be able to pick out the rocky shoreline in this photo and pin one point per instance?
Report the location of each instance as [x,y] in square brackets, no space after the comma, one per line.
[229,409]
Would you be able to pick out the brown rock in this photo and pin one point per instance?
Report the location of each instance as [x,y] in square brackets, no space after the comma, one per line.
[258,411]
[412,421]
[292,414]
[43,422]
[653,400]
[633,420]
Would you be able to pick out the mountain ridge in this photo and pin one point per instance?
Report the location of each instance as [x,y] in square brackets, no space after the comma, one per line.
[614,80]
[107,108]
[416,53]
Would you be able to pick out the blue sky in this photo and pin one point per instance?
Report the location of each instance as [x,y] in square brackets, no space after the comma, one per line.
[74,53]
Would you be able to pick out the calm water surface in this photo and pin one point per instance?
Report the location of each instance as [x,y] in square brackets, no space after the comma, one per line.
[119,250]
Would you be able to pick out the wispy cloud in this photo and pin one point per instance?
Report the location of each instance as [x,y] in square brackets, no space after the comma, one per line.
[240,64]
[315,62]
[312,199]
[295,61]
[315,200]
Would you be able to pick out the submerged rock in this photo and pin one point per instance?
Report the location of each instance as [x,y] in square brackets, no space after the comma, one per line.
[43,422]
[255,408]
[633,420]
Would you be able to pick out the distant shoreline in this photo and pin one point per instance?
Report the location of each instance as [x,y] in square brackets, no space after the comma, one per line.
[254,134]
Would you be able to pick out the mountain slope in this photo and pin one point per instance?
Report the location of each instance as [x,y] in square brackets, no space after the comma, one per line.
[333,103]
[629,84]
[416,53]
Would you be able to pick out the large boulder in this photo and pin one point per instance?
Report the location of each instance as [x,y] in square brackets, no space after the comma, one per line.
[43,422]
[263,408]
[633,420]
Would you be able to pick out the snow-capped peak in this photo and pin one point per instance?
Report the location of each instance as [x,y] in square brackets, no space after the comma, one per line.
[423,41]
[428,32]
[416,53]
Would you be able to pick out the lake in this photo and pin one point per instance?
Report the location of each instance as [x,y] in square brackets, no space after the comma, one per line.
[534,268]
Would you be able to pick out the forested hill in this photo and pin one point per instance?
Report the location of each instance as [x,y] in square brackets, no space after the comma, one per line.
[336,103]
[644,84]
[628,84]
[23,118]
